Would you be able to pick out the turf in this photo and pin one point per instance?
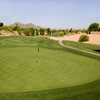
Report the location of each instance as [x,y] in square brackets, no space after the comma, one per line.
[88,47]
[59,74]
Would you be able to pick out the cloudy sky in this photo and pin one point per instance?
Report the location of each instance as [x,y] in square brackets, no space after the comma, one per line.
[51,13]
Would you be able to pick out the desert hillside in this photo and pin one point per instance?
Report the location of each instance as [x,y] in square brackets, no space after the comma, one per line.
[29,25]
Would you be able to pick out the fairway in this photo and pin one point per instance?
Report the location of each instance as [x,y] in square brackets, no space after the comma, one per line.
[57,67]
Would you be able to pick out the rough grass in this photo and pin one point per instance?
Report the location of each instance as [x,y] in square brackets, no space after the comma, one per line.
[59,74]
[88,47]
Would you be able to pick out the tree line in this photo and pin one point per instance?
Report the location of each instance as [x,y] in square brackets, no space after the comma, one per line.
[48,31]
[41,31]
[27,31]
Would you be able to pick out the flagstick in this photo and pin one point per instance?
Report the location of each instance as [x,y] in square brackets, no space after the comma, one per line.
[38,56]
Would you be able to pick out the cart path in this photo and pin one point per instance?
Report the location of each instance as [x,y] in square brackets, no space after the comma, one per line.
[61,43]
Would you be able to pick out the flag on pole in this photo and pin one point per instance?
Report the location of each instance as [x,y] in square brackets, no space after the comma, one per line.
[38,50]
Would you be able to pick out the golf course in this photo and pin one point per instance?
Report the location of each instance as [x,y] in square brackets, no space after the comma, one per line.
[52,73]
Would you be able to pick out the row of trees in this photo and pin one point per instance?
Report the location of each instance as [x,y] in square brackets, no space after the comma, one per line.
[27,31]
[42,31]
[48,31]
[32,31]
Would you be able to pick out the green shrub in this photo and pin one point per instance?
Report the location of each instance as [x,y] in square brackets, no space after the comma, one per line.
[84,38]
[84,31]
[32,31]
[56,34]
[17,28]
[29,31]
[48,31]
[41,31]
[76,31]
[26,31]
[37,32]
[7,28]
[65,32]
[53,31]
[61,33]
[1,28]
[19,32]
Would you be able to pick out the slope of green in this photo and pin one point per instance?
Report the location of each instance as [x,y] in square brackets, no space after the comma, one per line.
[83,46]
[59,74]
[90,91]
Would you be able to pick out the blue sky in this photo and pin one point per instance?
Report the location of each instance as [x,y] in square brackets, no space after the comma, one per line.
[51,13]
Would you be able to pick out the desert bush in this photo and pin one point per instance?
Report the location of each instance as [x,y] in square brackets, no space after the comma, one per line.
[83,38]
[61,33]
[53,31]
[17,28]
[32,31]
[48,31]
[26,31]
[76,31]
[37,32]
[7,28]
[65,32]
[1,28]
[41,31]
[56,34]
[68,33]
[29,31]
[19,32]
[84,31]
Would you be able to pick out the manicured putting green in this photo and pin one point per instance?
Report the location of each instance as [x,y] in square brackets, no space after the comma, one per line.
[57,67]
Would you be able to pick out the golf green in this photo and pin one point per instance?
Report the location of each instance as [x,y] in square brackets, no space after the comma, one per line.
[23,69]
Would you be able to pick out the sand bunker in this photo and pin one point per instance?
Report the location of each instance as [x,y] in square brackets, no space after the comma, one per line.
[94,38]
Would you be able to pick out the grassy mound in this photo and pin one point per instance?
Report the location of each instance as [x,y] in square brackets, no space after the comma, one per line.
[59,74]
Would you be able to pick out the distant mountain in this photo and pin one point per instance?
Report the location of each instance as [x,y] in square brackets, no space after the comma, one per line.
[29,25]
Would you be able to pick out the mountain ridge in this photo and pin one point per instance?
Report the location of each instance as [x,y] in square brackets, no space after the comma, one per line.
[29,25]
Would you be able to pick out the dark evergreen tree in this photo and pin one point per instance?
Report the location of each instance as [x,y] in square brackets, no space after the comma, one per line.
[41,31]
[1,24]
[48,31]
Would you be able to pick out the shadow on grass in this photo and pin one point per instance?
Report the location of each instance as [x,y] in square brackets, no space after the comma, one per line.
[97,50]
[89,91]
